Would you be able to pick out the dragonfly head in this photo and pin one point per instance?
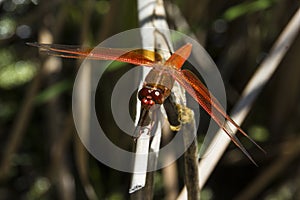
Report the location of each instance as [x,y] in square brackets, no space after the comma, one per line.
[150,96]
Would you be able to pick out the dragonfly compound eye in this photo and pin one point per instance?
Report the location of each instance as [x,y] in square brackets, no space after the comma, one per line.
[157,96]
[143,93]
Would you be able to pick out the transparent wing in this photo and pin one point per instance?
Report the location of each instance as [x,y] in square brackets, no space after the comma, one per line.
[135,56]
[179,56]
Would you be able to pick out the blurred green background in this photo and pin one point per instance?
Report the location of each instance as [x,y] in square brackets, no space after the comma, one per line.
[41,155]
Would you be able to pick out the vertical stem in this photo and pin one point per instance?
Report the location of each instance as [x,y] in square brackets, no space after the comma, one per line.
[145,11]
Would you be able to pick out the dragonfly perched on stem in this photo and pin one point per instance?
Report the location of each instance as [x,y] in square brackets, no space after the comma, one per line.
[159,82]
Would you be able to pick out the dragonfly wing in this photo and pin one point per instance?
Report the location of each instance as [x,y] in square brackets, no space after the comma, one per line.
[199,86]
[135,56]
[179,56]
[207,101]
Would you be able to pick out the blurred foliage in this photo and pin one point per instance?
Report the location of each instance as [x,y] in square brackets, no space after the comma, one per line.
[48,161]
[39,188]
[7,28]
[259,133]
[247,8]
[53,91]
[16,74]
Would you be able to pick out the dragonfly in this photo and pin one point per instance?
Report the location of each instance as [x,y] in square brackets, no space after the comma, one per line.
[159,82]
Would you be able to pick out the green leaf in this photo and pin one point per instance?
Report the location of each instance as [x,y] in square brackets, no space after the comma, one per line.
[245,8]
[53,91]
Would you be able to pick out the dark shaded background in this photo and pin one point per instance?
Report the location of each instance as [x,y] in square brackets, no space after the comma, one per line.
[41,155]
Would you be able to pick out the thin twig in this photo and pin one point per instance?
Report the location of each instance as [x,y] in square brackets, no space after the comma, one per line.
[191,172]
[59,169]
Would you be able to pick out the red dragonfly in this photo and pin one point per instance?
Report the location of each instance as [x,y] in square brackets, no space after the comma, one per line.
[159,82]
